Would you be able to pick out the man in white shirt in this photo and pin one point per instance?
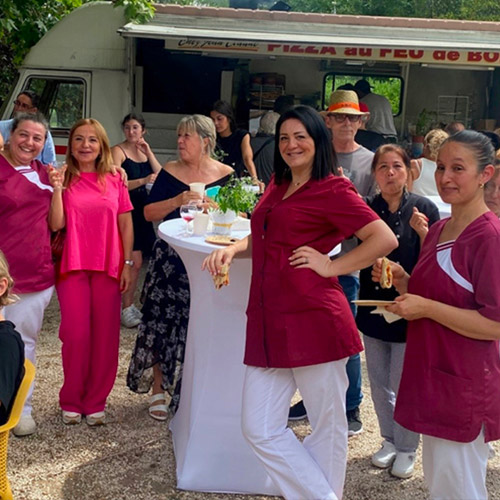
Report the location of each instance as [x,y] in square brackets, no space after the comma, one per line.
[381,119]
[27,102]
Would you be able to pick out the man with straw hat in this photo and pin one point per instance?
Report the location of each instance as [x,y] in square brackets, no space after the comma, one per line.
[344,120]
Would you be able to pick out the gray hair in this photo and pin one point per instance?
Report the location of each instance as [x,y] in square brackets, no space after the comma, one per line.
[201,125]
[29,117]
[267,123]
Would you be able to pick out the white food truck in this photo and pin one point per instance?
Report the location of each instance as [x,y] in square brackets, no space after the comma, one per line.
[93,63]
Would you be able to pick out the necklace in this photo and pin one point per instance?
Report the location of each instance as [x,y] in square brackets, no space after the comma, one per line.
[298,183]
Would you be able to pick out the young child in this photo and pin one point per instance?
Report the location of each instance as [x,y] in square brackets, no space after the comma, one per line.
[11,347]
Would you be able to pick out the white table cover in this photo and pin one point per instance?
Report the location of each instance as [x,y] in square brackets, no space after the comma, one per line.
[211,453]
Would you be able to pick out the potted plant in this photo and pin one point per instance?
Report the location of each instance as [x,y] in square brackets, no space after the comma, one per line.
[238,195]
[423,125]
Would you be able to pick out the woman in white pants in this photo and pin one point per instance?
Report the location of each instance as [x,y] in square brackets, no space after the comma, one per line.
[450,387]
[25,196]
[300,331]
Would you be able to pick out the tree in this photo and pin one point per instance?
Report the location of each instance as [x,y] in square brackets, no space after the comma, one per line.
[24,22]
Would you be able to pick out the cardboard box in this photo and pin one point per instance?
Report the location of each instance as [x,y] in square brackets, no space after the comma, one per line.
[485,124]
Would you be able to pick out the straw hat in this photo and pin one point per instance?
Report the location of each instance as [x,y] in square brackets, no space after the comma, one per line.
[346,102]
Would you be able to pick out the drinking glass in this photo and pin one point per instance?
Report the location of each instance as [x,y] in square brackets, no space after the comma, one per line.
[187,213]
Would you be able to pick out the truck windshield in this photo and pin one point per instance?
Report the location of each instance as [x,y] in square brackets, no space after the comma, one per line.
[389,86]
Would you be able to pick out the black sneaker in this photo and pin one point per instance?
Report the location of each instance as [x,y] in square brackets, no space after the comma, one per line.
[297,411]
[354,424]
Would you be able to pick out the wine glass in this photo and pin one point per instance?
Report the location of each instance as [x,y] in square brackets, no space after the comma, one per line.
[188,212]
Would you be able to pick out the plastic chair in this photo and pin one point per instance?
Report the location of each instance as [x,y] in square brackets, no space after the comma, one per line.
[15,415]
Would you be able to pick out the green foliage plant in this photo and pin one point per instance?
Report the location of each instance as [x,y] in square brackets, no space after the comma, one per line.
[424,122]
[237,195]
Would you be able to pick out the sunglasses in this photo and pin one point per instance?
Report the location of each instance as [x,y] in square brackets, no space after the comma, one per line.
[22,105]
[340,117]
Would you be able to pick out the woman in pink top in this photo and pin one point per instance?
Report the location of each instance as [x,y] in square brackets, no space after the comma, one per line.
[94,207]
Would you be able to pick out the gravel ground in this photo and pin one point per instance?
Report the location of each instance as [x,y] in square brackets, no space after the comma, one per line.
[132,458]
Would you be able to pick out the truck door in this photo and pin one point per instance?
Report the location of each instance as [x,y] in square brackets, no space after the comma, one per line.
[64,99]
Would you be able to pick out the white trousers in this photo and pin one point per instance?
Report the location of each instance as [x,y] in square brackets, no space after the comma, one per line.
[27,315]
[315,468]
[455,471]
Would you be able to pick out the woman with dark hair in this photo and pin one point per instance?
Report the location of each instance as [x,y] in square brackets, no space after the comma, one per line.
[450,387]
[142,167]
[232,143]
[409,216]
[300,331]
[25,197]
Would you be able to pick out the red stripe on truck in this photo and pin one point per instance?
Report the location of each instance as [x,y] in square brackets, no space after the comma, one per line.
[61,150]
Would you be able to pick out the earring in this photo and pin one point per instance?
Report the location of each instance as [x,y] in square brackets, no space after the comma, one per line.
[481,186]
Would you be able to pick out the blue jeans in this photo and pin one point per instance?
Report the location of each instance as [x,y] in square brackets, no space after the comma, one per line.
[354,395]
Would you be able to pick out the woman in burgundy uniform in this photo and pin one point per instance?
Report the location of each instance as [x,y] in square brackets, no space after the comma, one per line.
[300,331]
[450,387]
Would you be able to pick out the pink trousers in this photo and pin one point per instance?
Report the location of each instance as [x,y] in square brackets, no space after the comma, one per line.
[90,336]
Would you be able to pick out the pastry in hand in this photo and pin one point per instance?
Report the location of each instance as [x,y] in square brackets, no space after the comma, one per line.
[386,278]
[222,278]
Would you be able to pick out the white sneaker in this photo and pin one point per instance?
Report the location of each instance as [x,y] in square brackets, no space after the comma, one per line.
[71,417]
[136,311]
[385,456]
[25,426]
[129,319]
[403,465]
[96,419]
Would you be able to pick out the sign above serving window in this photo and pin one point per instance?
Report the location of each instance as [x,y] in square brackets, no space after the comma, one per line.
[410,55]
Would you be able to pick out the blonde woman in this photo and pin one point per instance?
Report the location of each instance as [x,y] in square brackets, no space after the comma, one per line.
[422,181]
[162,333]
[11,347]
[95,267]
[492,191]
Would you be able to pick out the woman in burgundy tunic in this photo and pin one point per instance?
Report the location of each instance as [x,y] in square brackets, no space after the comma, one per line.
[300,331]
[450,387]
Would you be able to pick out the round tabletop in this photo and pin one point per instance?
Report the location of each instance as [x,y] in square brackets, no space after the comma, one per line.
[174,233]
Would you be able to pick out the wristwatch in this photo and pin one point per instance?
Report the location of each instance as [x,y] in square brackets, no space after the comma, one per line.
[129,263]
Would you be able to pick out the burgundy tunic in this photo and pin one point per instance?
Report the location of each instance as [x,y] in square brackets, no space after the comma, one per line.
[296,317]
[450,386]
[25,196]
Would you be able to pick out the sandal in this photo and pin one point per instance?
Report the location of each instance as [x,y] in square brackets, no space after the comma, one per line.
[158,411]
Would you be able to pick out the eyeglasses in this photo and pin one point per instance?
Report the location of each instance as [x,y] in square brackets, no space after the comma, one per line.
[22,105]
[340,117]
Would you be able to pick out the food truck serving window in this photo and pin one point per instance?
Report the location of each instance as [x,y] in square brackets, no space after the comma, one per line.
[388,86]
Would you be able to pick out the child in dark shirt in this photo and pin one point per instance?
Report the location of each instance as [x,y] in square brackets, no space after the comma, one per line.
[11,347]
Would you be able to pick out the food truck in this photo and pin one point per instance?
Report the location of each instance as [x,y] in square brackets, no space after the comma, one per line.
[94,63]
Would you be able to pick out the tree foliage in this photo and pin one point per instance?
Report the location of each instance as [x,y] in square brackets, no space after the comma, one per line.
[24,22]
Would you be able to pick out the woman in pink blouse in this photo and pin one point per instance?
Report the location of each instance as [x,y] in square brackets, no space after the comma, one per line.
[300,331]
[94,207]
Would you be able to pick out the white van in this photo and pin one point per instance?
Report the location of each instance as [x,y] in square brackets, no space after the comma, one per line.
[92,63]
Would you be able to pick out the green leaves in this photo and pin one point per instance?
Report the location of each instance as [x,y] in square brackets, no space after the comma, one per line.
[237,195]
[137,11]
[24,22]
